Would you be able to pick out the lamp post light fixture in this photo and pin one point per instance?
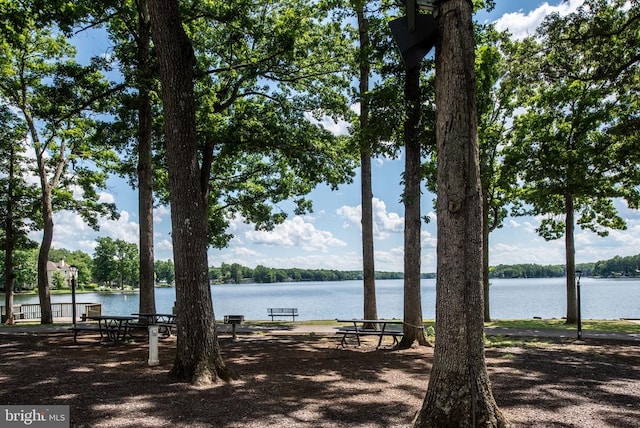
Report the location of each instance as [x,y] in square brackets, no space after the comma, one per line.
[74,278]
[415,33]
[579,273]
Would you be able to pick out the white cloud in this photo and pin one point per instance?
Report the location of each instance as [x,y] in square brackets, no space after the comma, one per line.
[72,233]
[160,213]
[524,251]
[122,228]
[521,25]
[164,245]
[295,233]
[428,240]
[336,127]
[348,261]
[384,223]
[106,198]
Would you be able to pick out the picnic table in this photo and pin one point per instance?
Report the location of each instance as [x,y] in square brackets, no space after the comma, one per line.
[114,327]
[361,328]
[145,319]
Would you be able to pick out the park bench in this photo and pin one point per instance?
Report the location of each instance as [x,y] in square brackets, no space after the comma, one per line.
[234,320]
[283,312]
[18,314]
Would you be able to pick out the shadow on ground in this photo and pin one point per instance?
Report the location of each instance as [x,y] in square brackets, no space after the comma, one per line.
[307,381]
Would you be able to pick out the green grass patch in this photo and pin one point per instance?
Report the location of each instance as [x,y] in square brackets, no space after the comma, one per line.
[501,341]
[620,326]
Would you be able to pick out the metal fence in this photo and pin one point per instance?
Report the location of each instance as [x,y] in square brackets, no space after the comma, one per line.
[32,311]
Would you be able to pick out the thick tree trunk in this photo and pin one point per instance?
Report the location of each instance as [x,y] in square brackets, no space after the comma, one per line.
[145,164]
[459,393]
[368,263]
[413,323]
[570,245]
[198,357]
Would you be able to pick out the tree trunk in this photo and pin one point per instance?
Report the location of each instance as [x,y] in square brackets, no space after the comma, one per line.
[44,292]
[9,244]
[198,357]
[485,259]
[459,392]
[147,302]
[368,263]
[413,322]
[572,296]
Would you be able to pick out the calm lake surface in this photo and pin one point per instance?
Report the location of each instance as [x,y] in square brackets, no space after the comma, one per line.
[510,299]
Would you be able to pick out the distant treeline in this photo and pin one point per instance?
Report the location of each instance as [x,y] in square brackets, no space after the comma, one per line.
[613,268]
[236,273]
[533,271]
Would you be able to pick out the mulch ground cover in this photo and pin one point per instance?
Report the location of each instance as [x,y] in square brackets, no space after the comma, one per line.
[306,381]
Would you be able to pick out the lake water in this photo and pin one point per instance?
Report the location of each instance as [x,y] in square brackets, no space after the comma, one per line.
[510,299]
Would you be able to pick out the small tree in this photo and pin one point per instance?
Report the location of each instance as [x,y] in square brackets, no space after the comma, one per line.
[570,161]
[54,95]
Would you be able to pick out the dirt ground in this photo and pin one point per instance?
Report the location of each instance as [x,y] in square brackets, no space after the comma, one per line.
[306,381]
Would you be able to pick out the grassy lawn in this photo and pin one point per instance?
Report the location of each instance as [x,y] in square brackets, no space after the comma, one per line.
[620,326]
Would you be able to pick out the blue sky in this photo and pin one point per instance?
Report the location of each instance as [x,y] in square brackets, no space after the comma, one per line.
[330,237]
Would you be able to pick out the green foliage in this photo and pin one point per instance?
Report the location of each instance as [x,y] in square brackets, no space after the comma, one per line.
[618,267]
[527,271]
[268,74]
[58,282]
[236,273]
[19,202]
[164,271]
[115,262]
[495,108]
[81,260]
[560,148]
[56,97]
[24,271]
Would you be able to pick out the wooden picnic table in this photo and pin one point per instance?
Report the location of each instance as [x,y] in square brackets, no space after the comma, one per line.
[359,330]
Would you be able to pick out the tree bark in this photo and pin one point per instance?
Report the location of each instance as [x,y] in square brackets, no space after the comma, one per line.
[198,357]
[485,259]
[413,322]
[459,392]
[9,244]
[368,257]
[572,295]
[147,302]
[44,292]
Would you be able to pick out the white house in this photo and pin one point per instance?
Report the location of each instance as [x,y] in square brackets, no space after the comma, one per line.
[62,267]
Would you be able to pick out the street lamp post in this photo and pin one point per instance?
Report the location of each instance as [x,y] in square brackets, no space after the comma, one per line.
[579,273]
[74,273]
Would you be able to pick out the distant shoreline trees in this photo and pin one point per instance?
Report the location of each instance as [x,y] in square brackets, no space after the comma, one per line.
[616,267]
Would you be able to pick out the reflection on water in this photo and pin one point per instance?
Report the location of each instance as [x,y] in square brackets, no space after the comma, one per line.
[519,298]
